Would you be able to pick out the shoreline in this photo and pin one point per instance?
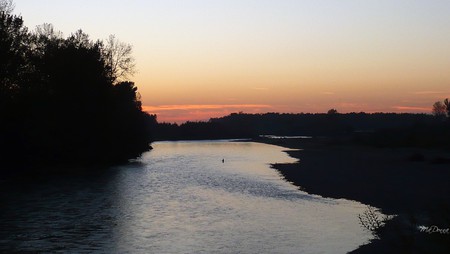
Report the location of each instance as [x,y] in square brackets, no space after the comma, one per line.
[406,182]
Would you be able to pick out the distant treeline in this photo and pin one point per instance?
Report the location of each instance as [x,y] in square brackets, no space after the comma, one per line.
[241,125]
[65,101]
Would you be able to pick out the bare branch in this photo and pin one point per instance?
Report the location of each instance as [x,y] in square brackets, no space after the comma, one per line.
[47,30]
[439,109]
[370,220]
[119,59]
[7,6]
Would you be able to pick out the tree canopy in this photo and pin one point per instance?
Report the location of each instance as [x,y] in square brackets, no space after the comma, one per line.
[441,109]
[6,6]
[61,101]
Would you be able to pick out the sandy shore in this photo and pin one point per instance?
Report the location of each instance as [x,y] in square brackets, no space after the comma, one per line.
[407,182]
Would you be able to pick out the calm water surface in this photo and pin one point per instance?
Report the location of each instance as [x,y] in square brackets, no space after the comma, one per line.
[178,198]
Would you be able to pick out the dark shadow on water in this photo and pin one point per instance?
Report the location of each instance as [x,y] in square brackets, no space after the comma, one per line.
[71,211]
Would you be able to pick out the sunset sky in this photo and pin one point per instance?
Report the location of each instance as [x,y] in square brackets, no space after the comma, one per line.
[206,58]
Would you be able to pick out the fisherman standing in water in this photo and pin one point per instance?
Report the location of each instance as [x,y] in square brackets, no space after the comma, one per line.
[223,160]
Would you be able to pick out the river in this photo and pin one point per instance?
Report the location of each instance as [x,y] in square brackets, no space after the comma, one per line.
[180,197]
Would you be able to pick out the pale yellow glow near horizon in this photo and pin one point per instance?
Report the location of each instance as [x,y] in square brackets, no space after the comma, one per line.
[294,56]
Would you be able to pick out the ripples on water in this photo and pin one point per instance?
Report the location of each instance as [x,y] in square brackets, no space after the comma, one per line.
[179,198]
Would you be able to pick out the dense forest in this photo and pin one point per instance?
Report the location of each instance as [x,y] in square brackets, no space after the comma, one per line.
[66,101]
[241,125]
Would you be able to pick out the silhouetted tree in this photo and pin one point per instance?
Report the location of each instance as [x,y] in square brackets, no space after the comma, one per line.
[118,59]
[439,109]
[47,33]
[59,104]
[13,51]
[15,74]
[6,6]
[447,106]
[332,111]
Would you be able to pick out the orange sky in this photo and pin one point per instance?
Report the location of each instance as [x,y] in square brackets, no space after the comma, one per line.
[199,59]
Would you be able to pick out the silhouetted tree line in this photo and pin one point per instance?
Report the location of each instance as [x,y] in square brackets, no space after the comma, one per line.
[200,131]
[63,100]
[241,125]
[433,133]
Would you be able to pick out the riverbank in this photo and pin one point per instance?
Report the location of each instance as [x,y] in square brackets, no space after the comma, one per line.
[408,182]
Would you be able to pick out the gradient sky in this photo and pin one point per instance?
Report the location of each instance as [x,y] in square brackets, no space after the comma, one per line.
[205,58]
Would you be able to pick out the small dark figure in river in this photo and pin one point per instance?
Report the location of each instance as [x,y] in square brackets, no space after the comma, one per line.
[223,160]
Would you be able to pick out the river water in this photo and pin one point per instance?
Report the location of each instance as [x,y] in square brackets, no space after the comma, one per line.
[178,198]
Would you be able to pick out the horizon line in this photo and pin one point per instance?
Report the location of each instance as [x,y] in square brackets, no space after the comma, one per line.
[180,114]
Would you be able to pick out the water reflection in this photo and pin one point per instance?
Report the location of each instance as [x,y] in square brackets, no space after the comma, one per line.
[179,198]
[56,213]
